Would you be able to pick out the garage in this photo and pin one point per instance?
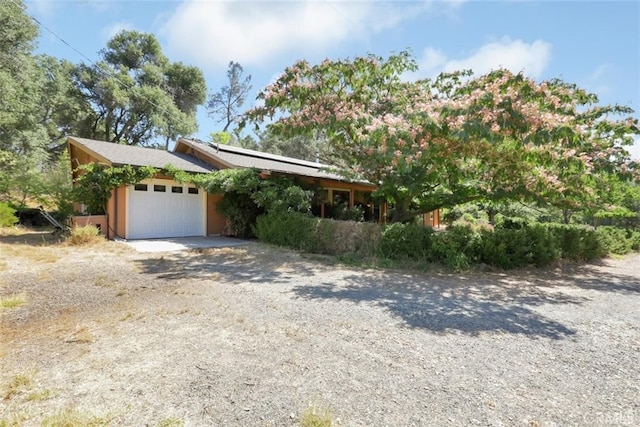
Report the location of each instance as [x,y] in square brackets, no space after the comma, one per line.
[164,208]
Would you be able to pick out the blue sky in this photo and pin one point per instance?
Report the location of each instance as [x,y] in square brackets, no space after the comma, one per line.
[593,44]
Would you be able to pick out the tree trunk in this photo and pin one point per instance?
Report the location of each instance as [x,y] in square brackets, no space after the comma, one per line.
[401,211]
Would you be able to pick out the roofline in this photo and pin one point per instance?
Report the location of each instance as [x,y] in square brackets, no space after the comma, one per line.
[264,156]
[72,141]
[196,147]
[258,154]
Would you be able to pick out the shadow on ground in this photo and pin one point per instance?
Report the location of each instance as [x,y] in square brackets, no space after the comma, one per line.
[474,303]
[235,265]
[37,237]
[469,303]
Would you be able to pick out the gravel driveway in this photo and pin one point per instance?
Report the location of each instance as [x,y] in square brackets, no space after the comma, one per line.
[260,336]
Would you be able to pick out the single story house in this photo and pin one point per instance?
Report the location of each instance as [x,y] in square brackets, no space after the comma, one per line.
[161,207]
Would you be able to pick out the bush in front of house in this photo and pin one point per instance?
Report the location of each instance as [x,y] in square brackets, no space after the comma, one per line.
[291,229]
[520,246]
[577,242]
[511,245]
[457,248]
[84,236]
[617,240]
[410,241]
[323,236]
[8,216]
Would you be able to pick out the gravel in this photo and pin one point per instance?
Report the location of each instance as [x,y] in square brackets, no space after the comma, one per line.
[257,335]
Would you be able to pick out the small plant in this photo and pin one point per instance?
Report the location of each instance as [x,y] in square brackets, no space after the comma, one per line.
[18,384]
[75,418]
[171,422]
[316,417]
[38,395]
[12,301]
[15,420]
[84,236]
[7,215]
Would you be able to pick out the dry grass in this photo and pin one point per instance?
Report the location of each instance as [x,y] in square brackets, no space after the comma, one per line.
[39,395]
[38,254]
[104,282]
[15,420]
[82,335]
[315,416]
[18,384]
[171,422]
[12,301]
[85,236]
[11,231]
[76,418]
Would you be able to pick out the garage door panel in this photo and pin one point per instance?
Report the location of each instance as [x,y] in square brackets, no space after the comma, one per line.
[157,214]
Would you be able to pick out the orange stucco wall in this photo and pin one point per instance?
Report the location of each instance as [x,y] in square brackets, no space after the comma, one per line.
[99,221]
[216,222]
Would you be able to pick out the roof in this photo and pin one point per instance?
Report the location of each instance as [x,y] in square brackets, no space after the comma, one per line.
[236,157]
[119,155]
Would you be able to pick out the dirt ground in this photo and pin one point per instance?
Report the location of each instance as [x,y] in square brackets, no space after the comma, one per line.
[262,336]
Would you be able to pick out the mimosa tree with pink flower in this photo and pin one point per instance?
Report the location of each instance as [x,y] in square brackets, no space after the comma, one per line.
[456,138]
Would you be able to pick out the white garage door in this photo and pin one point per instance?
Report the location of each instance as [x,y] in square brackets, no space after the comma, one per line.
[163,208]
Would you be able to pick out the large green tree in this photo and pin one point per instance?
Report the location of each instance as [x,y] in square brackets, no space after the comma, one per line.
[23,134]
[454,139]
[137,95]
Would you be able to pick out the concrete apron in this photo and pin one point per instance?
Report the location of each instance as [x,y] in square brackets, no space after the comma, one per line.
[182,243]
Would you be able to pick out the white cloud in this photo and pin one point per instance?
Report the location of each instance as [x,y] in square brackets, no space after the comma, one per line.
[109,31]
[597,81]
[212,33]
[515,55]
[634,150]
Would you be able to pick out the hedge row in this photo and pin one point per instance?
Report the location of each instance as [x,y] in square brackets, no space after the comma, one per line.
[458,247]
[315,235]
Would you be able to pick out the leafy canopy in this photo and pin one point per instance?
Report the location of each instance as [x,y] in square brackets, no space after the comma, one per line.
[136,94]
[456,138]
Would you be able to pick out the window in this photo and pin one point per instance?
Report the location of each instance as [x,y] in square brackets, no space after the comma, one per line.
[193,190]
[160,188]
[176,189]
[140,187]
[341,197]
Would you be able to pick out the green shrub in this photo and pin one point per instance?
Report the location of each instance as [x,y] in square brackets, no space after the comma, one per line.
[7,215]
[290,229]
[635,240]
[513,244]
[518,247]
[405,241]
[345,213]
[576,242]
[456,248]
[324,237]
[615,240]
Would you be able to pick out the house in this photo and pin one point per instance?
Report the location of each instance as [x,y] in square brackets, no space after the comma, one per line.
[161,207]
